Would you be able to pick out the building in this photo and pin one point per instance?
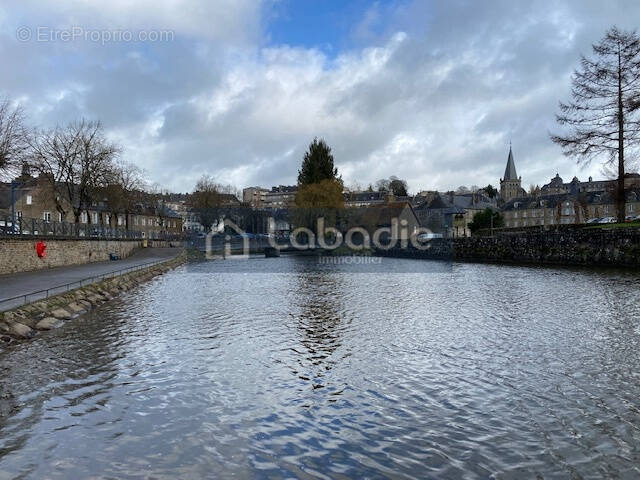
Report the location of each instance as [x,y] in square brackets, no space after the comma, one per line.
[35,203]
[557,185]
[254,196]
[511,184]
[451,213]
[566,208]
[374,218]
[282,196]
[365,199]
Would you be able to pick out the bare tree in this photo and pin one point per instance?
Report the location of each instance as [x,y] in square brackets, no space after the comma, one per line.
[13,144]
[157,200]
[77,161]
[208,198]
[124,190]
[603,115]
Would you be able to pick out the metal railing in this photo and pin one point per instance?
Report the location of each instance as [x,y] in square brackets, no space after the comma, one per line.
[45,293]
[40,227]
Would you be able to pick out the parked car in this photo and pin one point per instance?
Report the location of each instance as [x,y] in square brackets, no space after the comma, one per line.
[423,237]
[594,220]
[7,227]
[608,220]
[632,218]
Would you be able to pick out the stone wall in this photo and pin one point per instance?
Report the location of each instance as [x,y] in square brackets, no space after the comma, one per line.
[615,247]
[19,255]
[584,246]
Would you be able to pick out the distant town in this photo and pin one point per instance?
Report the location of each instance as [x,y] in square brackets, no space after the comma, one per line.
[29,199]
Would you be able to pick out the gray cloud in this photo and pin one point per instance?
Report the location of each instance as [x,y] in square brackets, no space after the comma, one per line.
[430,91]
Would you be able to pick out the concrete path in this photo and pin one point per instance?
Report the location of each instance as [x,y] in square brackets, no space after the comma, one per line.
[23,283]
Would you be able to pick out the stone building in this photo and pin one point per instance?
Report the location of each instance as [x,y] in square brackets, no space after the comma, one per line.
[511,184]
[566,208]
[34,202]
[557,185]
[451,213]
[381,216]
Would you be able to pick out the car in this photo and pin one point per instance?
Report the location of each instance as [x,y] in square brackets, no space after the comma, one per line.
[608,220]
[8,227]
[423,237]
[594,220]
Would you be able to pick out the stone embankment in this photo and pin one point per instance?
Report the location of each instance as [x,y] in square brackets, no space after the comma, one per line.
[25,322]
[579,246]
[615,247]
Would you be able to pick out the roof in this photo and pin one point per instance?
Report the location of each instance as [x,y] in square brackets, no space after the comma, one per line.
[364,196]
[229,199]
[378,215]
[510,171]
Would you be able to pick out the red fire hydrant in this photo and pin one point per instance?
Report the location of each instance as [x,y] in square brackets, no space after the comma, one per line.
[41,249]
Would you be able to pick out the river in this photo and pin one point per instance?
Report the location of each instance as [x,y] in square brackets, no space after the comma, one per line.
[213,370]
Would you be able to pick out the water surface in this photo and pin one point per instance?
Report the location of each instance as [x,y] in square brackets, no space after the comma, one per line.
[483,371]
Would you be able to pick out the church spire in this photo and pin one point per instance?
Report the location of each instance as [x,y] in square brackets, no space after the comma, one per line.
[510,171]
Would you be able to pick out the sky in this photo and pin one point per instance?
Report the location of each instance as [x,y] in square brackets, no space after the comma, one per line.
[429,91]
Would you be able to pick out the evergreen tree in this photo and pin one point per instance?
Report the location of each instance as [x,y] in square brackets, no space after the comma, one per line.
[317,164]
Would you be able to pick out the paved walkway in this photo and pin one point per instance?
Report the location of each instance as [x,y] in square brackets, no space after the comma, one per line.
[23,283]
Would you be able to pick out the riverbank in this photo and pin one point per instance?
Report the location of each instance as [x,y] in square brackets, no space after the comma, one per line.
[563,246]
[26,321]
[615,247]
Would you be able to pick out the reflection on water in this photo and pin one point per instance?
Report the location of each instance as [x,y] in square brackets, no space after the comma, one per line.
[484,370]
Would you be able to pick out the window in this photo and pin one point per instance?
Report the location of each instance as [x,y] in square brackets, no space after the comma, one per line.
[83,217]
[144,221]
[29,199]
[631,207]
[94,217]
[46,216]
[19,213]
[120,220]
[107,219]
[59,217]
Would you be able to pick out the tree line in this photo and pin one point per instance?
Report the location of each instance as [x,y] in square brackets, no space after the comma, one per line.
[76,165]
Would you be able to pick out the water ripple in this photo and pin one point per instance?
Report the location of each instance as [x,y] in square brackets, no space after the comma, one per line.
[486,371]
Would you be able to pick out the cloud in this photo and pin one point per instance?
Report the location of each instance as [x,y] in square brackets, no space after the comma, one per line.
[429,91]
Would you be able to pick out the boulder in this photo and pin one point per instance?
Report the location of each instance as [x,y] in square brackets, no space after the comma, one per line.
[76,308]
[48,323]
[96,299]
[61,314]
[85,303]
[14,316]
[20,330]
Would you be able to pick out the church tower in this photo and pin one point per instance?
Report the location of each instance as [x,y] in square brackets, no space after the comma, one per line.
[510,185]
